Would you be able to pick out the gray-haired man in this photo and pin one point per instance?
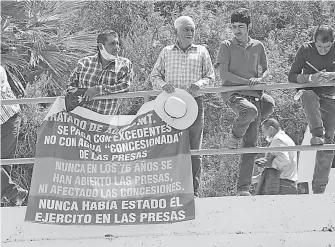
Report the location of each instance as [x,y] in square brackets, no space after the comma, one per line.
[187,66]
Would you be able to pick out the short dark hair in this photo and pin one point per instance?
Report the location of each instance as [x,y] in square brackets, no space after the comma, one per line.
[241,15]
[102,37]
[267,123]
[324,33]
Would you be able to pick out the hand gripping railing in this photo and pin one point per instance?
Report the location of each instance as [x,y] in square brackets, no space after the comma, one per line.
[146,95]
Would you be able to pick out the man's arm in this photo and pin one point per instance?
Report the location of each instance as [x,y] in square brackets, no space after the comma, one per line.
[263,63]
[295,75]
[157,76]
[122,85]
[223,60]
[269,159]
[208,75]
[225,75]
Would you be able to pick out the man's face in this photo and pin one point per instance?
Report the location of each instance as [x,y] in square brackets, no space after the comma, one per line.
[185,33]
[323,48]
[240,30]
[112,45]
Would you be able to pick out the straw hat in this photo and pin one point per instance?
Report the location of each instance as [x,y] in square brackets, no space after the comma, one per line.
[178,109]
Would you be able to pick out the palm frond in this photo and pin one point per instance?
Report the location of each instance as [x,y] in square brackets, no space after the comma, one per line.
[57,62]
[14,60]
[14,9]
[81,41]
[52,13]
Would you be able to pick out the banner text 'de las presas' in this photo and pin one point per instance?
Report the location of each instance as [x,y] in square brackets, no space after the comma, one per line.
[89,172]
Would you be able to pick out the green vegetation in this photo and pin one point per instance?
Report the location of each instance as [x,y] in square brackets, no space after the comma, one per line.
[44,40]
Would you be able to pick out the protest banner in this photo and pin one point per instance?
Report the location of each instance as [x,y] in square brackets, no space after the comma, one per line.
[107,170]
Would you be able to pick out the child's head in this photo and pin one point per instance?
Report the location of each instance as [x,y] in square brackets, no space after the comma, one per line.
[270,128]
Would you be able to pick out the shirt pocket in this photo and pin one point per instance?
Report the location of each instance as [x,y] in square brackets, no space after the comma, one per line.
[108,78]
[194,66]
[89,78]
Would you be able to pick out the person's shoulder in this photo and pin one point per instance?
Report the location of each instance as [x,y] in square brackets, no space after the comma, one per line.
[88,59]
[168,48]
[256,42]
[283,138]
[201,48]
[125,61]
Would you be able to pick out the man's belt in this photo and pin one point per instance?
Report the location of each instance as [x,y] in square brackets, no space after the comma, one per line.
[328,96]
[248,97]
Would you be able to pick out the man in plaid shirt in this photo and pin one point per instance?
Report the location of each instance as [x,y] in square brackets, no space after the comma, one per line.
[187,66]
[102,74]
[10,125]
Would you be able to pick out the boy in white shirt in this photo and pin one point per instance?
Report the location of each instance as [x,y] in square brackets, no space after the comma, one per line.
[284,162]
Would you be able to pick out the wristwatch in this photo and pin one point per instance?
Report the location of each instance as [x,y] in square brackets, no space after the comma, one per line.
[310,78]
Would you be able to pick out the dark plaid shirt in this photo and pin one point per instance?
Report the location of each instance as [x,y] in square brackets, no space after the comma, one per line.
[116,77]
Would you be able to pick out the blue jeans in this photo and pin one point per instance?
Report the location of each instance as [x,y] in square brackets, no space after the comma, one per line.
[287,187]
[196,133]
[9,135]
[320,113]
[249,113]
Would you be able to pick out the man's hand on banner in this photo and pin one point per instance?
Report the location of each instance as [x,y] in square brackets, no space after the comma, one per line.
[71,89]
[90,93]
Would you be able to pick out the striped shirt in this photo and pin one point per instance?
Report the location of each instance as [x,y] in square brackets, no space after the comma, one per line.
[7,111]
[116,77]
[181,69]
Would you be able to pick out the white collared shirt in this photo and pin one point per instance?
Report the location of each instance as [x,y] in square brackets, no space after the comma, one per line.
[286,162]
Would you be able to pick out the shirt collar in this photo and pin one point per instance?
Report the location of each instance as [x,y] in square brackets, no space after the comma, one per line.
[249,43]
[192,46]
[99,59]
[280,132]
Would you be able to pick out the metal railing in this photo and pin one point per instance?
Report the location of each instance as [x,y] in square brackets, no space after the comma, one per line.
[147,94]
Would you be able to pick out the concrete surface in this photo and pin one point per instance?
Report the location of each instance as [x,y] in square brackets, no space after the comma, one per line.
[302,220]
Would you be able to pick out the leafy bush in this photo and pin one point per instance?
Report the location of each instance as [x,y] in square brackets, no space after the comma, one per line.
[32,116]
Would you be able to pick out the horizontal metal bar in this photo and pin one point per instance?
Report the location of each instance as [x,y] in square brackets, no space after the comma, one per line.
[213,152]
[153,93]
[23,161]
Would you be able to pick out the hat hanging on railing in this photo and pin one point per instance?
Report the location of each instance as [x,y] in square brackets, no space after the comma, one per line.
[178,109]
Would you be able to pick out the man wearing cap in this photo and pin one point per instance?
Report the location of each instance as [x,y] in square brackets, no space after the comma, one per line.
[315,63]
[102,74]
[239,60]
[187,66]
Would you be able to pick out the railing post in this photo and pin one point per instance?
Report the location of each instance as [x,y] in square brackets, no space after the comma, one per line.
[146,98]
